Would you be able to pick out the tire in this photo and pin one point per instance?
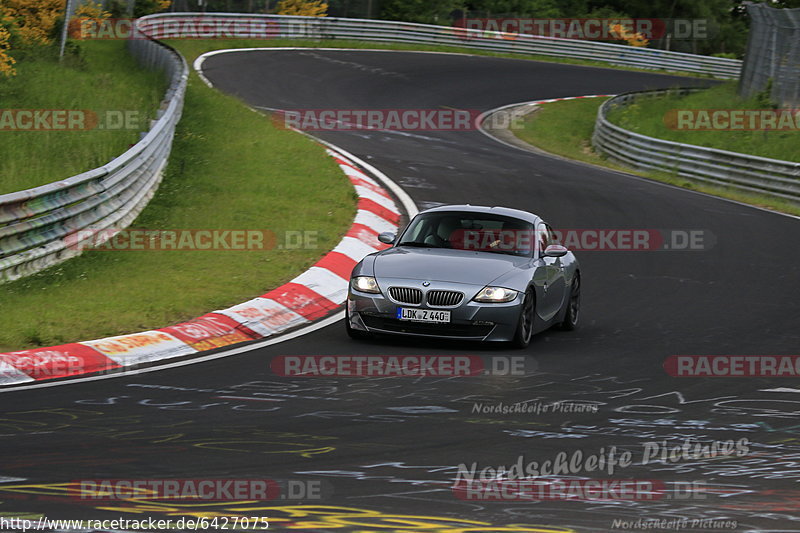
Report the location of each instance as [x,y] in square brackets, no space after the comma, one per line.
[353,333]
[522,337]
[573,313]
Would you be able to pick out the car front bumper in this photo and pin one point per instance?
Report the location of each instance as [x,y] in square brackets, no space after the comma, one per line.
[469,320]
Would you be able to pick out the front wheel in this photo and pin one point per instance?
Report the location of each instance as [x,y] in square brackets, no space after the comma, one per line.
[525,327]
[570,321]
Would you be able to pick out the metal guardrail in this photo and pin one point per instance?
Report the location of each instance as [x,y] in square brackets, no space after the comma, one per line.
[46,225]
[720,167]
[216,25]
[773,54]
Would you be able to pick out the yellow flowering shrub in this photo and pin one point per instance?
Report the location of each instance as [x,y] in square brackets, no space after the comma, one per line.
[34,20]
[307,8]
[633,39]
[6,61]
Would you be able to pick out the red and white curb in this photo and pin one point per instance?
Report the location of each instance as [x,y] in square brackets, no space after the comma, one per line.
[531,106]
[311,295]
[570,98]
[534,103]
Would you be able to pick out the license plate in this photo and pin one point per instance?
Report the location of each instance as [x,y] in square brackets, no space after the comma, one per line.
[423,315]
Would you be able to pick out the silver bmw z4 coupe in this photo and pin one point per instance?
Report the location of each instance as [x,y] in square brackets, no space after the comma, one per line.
[466,272]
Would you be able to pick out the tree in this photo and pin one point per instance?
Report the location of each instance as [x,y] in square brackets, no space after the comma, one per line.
[35,20]
[304,8]
[89,14]
[6,61]
[148,7]
[515,8]
[6,35]
[632,38]
[723,20]
[424,11]
[119,8]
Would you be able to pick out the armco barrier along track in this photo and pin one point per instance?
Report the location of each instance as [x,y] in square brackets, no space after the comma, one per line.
[38,222]
[38,227]
[233,25]
[311,295]
[730,169]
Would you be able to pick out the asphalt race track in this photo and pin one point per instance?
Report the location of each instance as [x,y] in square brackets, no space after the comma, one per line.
[384,452]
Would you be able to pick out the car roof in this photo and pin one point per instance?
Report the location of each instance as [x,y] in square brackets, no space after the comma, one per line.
[497,210]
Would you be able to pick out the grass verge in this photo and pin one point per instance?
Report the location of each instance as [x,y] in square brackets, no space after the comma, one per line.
[230,168]
[102,78]
[647,117]
[565,129]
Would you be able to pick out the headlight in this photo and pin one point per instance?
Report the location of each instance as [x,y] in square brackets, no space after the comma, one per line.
[365,284]
[495,295]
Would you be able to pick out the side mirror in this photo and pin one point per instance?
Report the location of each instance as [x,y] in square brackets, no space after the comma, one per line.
[387,237]
[555,250]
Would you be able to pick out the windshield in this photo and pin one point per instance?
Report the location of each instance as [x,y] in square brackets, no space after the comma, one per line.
[481,232]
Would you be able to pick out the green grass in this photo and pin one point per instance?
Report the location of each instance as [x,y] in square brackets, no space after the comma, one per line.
[200,46]
[565,129]
[104,77]
[230,168]
[647,117]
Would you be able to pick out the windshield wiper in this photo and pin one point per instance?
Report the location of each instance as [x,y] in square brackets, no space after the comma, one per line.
[418,244]
[504,252]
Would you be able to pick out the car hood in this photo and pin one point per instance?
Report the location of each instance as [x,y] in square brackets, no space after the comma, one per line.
[437,264]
